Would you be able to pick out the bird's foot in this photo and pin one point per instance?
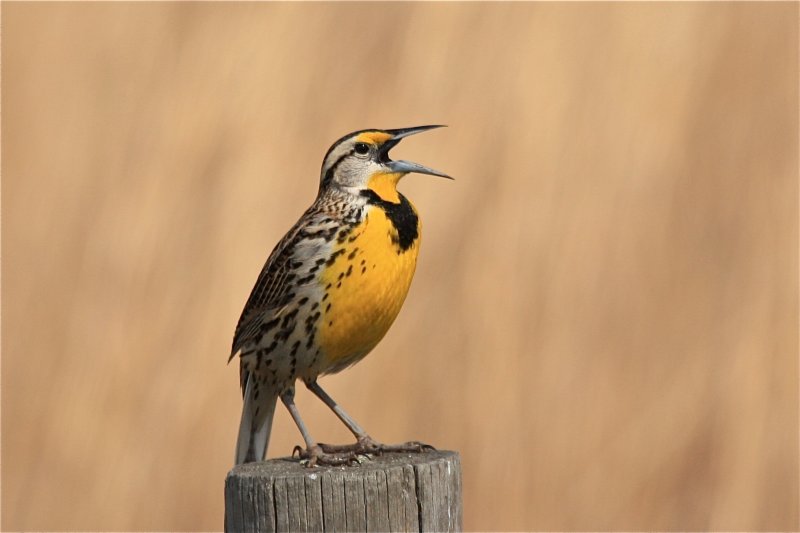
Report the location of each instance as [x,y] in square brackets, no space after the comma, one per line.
[318,456]
[368,446]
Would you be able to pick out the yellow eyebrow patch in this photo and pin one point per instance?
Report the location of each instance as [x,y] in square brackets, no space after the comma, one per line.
[373,137]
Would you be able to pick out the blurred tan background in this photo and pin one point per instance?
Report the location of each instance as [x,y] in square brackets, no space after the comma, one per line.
[604,318]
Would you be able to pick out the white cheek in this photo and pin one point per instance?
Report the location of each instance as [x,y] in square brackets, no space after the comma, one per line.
[356,173]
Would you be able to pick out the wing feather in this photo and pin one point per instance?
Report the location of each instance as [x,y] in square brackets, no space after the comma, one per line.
[273,288]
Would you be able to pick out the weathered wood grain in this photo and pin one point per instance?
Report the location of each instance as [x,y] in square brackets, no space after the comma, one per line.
[392,492]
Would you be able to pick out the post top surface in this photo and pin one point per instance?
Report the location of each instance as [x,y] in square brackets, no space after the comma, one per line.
[289,467]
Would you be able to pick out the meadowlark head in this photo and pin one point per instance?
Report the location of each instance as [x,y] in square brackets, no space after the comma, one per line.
[360,161]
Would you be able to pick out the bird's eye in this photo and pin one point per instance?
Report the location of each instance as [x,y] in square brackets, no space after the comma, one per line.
[361,148]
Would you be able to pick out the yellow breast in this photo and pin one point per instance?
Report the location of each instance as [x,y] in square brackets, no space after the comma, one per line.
[364,289]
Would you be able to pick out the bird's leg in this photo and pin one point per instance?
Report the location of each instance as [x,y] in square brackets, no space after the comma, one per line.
[365,443]
[313,454]
[346,419]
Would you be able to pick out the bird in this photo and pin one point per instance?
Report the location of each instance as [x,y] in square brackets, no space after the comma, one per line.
[328,293]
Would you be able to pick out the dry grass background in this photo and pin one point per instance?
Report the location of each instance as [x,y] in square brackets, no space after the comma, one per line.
[604,318]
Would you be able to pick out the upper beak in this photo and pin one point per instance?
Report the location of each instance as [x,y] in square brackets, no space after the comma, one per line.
[407,166]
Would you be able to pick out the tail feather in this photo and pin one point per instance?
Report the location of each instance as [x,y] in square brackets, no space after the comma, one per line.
[256,424]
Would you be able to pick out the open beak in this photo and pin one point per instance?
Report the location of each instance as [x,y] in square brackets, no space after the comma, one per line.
[407,166]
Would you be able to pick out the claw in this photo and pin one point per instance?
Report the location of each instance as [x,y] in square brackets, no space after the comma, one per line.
[320,455]
[353,454]
[417,446]
[367,446]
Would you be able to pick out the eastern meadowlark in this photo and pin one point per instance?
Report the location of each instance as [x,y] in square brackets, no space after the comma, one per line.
[329,292]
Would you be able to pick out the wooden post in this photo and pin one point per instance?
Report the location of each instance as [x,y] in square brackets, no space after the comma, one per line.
[390,492]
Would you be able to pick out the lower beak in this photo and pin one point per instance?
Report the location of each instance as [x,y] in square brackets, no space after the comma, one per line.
[407,166]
